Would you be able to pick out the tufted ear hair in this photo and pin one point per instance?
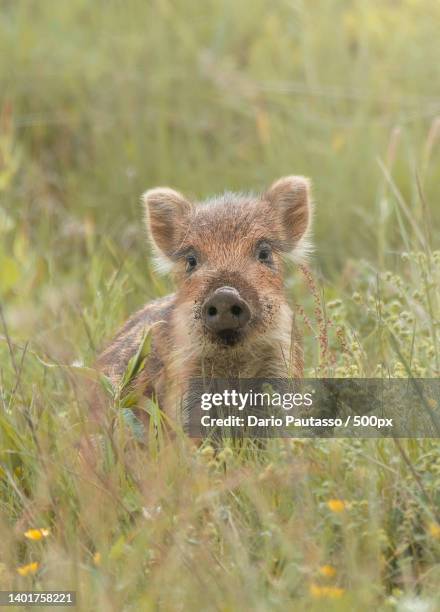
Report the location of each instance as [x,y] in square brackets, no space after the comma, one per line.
[290,196]
[167,215]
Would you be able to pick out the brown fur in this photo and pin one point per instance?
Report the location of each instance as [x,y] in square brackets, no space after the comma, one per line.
[223,234]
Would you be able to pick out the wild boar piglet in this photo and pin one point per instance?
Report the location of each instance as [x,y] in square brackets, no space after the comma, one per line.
[229,316]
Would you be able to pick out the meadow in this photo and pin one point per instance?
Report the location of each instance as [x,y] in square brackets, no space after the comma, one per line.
[101,101]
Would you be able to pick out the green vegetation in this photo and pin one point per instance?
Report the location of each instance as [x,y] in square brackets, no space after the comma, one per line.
[99,102]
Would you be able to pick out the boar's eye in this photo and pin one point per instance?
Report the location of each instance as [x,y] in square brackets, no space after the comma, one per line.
[191,262]
[264,253]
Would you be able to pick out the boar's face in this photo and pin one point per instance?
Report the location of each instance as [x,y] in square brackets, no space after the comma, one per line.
[226,254]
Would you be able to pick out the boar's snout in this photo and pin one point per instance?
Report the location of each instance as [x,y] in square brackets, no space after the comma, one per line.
[225,311]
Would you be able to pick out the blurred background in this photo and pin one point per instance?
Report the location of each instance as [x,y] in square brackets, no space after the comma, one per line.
[100,103]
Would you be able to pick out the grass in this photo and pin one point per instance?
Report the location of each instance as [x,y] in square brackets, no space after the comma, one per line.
[98,104]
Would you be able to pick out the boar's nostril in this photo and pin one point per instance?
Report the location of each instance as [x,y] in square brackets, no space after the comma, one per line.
[225,310]
[236,310]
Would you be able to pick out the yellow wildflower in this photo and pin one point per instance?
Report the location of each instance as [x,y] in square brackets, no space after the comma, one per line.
[327,570]
[336,505]
[30,568]
[36,534]
[434,530]
[97,558]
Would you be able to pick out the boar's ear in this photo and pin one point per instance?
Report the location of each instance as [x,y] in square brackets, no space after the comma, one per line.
[166,214]
[290,196]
